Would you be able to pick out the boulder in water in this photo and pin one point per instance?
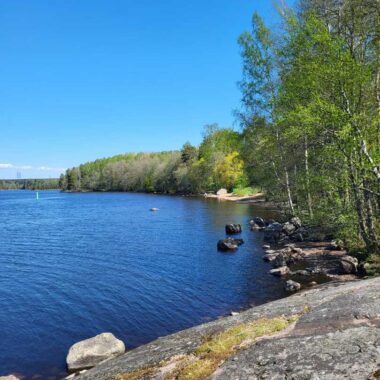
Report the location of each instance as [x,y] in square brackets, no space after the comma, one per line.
[229,244]
[258,221]
[90,352]
[232,229]
[269,257]
[280,272]
[292,286]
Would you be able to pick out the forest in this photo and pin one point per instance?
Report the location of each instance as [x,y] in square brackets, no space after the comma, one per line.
[29,184]
[309,125]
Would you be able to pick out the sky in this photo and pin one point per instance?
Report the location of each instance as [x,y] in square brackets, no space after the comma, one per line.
[85,79]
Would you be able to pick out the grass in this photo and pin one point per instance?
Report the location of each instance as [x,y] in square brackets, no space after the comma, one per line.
[215,350]
[245,191]
[200,369]
[372,265]
[225,342]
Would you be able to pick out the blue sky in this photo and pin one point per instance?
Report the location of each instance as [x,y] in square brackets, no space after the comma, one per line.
[84,79]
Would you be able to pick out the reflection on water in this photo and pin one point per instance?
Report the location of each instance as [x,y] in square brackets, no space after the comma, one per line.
[75,265]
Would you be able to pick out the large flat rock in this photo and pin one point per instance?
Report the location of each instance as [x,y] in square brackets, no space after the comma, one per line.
[337,337]
[87,353]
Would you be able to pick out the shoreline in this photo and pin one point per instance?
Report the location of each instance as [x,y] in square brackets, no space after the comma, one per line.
[256,198]
[323,265]
[286,349]
[277,250]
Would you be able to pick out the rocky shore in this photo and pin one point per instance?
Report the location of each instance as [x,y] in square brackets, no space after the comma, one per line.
[295,257]
[329,332]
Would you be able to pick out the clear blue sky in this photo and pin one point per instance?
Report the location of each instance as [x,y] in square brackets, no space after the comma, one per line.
[84,79]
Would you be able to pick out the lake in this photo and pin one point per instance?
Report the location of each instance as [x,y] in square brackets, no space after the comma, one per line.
[73,265]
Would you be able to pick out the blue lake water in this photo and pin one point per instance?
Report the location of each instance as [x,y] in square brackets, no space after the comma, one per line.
[75,265]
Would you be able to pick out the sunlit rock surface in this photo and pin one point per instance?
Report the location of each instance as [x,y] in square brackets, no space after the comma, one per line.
[336,337]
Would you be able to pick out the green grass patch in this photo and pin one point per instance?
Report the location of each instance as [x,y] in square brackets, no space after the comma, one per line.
[245,191]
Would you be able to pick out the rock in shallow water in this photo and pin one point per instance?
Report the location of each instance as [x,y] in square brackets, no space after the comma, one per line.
[229,244]
[279,272]
[269,257]
[87,353]
[292,286]
[233,229]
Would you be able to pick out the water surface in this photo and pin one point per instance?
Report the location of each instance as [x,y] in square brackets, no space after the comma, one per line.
[75,265]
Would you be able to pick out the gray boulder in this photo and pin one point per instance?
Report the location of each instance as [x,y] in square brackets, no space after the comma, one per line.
[222,192]
[258,221]
[302,273]
[280,272]
[273,232]
[256,227]
[269,257]
[348,265]
[87,353]
[232,229]
[279,261]
[292,286]
[289,228]
[296,222]
[229,244]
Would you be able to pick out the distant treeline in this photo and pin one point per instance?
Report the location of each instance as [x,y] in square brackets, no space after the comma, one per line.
[214,164]
[29,184]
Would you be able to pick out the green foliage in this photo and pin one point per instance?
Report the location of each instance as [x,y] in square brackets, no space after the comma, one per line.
[245,191]
[188,153]
[310,118]
[229,170]
[216,163]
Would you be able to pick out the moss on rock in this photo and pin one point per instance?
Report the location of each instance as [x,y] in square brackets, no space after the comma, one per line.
[213,351]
